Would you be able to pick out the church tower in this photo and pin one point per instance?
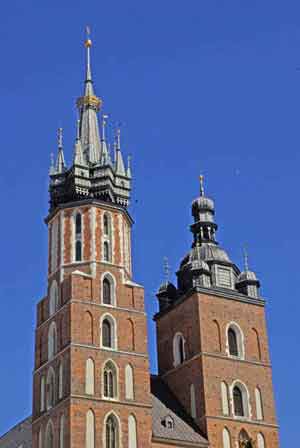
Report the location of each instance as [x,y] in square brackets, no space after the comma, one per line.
[212,342]
[91,382]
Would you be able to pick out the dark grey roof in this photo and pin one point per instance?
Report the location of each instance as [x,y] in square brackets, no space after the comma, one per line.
[165,404]
[19,436]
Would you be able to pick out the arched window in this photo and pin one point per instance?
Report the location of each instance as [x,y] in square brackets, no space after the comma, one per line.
[132,432]
[49,435]
[78,250]
[108,332]
[258,403]
[260,440]
[90,377]
[129,383]
[235,341]
[193,401]
[238,402]
[224,397]
[61,431]
[110,382]
[88,328]
[232,342]
[257,342]
[52,340]
[42,394]
[78,224]
[90,430]
[106,251]
[53,298]
[131,339]
[244,440]
[60,380]
[50,390]
[107,299]
[178,349]
[112,432]
[226,438]
[78,237]
[106,225]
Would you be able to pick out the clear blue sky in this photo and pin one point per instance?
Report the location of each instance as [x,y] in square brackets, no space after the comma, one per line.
[201,86]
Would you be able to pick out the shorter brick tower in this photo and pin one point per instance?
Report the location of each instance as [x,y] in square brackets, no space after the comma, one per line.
[212,342]
[91,377]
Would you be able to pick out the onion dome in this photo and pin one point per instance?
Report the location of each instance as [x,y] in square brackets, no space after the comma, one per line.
[247,282]
[203,211]
[166,295]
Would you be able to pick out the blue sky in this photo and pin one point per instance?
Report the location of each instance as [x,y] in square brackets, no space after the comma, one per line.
[200,86]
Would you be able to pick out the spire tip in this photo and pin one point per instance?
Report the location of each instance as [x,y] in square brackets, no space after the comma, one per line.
[201,178]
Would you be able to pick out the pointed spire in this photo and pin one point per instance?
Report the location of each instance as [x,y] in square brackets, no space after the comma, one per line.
[246,259]
[120,168]
[129,166]
[60,163]
[88,106]
[78,155]
[105,153]
[88,77]
[201,178]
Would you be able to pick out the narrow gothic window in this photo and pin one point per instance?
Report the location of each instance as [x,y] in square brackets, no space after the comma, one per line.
[61,431]
[181,350]
[106,334]
[52,340]
[78,224]
[111,432]
[178,349]
[232,342]
[106,252]
[50,388]
[53,299]
[60,380]
[132,432]
[78,250]
[107,299]
[226,438]
[78,237]
[42,394]
[49,436]
[193,401]
[90,430]
[224,397]
[238,402]
[244,440]
[106,225]
[110,380]
[260,441]
[258,402]
[89,377]
[129,385]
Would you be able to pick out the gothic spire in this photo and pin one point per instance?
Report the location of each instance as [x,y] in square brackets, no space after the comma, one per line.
[78,155]
[105,153]
[120,168]
[60,163]
[88,106]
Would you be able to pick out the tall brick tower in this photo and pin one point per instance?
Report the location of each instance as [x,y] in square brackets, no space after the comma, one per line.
[91,377]
[212,342]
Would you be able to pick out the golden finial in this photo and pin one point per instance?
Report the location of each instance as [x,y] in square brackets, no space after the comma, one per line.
[88,42]
[201,178]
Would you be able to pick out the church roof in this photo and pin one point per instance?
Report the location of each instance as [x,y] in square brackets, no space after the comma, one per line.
[167,409]
[19,436]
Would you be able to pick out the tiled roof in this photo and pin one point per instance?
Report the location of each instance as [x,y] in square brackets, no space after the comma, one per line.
[19,436]
[165,405]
